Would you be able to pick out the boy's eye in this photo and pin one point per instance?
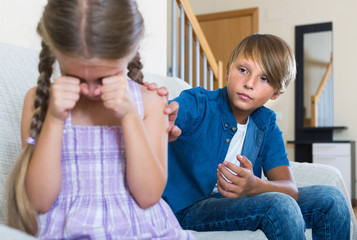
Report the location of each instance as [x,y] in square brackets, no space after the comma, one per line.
[264,79]
[243,70]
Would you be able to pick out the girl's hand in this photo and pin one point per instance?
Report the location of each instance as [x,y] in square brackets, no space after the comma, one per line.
[65,92]
[244,183]
[115,94]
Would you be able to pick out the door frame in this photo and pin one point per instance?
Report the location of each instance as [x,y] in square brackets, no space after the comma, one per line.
[253,12]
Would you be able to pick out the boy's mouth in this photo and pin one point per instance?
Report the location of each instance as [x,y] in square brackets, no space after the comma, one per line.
[244,96]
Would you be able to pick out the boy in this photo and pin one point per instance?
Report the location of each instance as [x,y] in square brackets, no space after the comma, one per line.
[228,138]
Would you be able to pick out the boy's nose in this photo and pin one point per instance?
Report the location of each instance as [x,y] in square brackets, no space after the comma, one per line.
[249,83]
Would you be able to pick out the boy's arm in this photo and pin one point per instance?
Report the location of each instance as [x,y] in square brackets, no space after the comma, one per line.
[190,102]
[280,179]
[274,162]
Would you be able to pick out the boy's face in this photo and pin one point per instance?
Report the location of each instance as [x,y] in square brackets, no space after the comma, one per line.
[248,87]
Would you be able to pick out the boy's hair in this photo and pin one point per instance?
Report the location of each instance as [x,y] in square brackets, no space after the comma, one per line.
[274,56]
[104,29]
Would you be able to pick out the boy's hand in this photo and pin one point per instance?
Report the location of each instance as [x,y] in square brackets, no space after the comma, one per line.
[171,110]
[244,183]
[162,91]
[65,92]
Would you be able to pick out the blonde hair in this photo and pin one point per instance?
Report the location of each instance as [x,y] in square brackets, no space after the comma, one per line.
[274,56]
[105,29]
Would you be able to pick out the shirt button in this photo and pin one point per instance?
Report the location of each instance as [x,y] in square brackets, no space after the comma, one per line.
[227,140]
[226,125]
[234,129]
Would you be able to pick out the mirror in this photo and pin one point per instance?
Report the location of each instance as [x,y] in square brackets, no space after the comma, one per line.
[314,74]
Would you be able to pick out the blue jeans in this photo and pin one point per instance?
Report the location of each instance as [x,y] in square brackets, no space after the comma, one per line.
[321,208]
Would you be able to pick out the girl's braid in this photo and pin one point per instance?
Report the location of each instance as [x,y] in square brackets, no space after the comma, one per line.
[134,68]
[21,214]
[43,89]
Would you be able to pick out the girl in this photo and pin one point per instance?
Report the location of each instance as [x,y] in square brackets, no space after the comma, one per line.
[94,162]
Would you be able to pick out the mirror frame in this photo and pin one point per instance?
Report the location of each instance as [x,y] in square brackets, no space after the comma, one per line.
[306,136]
[299,55]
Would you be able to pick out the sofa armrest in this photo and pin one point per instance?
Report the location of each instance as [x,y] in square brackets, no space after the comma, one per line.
[307,174]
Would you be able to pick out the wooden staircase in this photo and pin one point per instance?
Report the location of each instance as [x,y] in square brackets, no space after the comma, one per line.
[191,56]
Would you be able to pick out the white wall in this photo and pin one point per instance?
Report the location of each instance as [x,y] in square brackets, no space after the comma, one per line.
[280,17]
[154,45]
[18,21]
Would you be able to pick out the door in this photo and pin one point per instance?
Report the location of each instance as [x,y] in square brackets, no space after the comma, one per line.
[224,30]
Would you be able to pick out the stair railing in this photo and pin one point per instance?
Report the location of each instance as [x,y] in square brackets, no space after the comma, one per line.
[195,54]
[321,102]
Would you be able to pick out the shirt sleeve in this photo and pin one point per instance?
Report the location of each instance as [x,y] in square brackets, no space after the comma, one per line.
[273,151]
[190,110]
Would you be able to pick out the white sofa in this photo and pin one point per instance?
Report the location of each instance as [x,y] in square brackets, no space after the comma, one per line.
[18,72]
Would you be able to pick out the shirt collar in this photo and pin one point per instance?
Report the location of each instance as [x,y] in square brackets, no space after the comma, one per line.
[228,119]
[261,116]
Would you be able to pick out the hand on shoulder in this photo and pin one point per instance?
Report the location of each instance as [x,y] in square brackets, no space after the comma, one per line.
[171,109]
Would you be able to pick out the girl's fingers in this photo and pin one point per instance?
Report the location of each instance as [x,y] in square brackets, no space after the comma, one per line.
[65,92]
[107,96]
[108,83]
[84,89]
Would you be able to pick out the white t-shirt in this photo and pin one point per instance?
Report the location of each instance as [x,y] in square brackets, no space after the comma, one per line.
[235,147]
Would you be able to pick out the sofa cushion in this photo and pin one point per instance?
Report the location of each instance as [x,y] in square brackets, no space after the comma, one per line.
[18,72]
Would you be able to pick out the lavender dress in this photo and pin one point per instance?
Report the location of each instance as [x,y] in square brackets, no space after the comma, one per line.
[94,201]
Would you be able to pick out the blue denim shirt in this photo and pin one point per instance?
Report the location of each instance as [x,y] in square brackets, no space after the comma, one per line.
[208,125]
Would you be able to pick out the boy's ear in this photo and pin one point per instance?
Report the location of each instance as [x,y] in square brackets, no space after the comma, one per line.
[275,96]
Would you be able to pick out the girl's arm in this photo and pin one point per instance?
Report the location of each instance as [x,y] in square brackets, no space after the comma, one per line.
[145,141]
[43,178]
[146,150]
[44,174]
